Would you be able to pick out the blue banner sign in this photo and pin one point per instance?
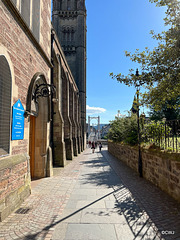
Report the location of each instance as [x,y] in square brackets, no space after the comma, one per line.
[18,121]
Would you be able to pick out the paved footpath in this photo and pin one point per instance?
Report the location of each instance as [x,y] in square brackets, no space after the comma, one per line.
[95,197]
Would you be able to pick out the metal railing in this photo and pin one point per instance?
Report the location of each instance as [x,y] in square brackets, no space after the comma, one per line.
[163,134]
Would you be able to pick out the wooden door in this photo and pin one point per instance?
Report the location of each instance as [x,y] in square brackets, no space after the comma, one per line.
[32,145]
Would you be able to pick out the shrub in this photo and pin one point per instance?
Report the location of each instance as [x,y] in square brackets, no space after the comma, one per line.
[124,130]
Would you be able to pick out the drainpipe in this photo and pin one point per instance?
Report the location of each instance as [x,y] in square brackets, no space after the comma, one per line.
[51,97]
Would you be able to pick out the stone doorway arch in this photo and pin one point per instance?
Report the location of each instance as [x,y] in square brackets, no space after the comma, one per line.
[38,110]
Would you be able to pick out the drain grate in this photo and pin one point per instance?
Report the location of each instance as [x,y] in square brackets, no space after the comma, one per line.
[23,210]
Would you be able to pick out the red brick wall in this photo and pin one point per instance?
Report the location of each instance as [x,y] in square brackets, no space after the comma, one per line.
[14,184]
[25,59]
[12,179]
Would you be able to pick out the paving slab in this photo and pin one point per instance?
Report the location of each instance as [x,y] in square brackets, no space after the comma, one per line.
[90,232]
[71,216]
[78,196]
[90,204]
[85,192]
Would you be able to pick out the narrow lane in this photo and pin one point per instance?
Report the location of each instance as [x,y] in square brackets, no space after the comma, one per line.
[110,201]
[94,197]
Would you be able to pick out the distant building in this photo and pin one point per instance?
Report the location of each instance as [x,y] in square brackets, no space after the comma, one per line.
[105,130]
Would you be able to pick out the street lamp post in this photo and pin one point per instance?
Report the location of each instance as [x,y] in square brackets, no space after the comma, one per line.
[139,135]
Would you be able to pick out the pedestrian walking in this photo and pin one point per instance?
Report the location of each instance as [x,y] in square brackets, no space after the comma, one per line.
[93,147]
[100,146]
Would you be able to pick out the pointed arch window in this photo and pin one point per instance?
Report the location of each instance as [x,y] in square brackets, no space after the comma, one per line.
[30,11]
[5,106]
[26,11]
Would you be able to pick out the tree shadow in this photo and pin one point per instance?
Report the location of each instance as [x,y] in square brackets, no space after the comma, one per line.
[124,206]
[140,224]
[160,211]
[54,222]
[146,209]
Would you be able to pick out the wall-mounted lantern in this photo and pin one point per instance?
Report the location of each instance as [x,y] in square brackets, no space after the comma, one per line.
[43,90]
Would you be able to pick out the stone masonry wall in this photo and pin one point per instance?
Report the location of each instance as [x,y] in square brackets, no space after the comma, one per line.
[162,169]
[15,183]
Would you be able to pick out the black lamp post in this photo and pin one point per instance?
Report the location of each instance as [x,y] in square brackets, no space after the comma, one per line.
[139,135]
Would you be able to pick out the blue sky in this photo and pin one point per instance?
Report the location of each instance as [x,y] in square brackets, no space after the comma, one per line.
[113,27]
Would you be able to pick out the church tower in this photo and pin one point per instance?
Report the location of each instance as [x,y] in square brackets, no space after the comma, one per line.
[69,22]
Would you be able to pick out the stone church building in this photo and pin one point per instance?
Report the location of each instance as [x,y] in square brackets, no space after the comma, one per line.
[69,21]
[42,92]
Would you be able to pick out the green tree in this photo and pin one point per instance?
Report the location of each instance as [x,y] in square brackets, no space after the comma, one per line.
[124,130]
[160,67]
[166,111]
[116,130]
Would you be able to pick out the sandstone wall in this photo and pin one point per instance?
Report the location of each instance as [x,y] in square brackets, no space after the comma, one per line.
[162,169]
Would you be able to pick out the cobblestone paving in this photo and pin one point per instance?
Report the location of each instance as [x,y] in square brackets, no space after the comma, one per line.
[36,216]
[94,197]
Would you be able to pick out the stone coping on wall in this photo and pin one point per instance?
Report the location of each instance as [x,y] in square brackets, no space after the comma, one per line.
[153,151]
[12,160]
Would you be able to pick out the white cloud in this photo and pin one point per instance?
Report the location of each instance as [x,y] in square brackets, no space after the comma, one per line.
[94,110]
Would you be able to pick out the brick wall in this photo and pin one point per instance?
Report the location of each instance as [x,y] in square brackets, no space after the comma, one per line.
[25,61]
[14,184]
[162,169]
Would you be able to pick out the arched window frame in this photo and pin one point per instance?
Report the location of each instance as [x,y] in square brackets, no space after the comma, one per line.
[5,118]
[32,106]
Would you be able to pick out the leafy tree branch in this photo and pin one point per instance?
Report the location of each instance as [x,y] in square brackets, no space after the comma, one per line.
[160,67]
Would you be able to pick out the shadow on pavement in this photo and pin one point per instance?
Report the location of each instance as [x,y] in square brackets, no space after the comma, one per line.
[147,210]
[54,222]
[138,221]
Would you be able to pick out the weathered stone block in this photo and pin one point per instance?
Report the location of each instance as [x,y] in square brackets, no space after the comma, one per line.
[2,205]
[12,199]
[59,154]
[23,194]
[75,147]
[69,149]
[4,213]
